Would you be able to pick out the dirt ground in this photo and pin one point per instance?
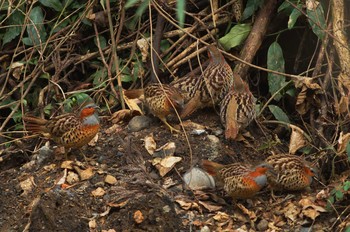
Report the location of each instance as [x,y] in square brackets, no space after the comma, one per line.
[35,195]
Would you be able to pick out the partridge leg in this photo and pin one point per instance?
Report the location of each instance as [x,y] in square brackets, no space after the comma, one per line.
[169,126]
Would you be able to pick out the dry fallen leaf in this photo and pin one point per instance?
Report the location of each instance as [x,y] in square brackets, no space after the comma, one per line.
[291,211]
[124,115]
[138,217]
[310,209]
[251,214]
[68,164]
[143,45]
[98,192]
[113,129]
[150,144]
[221,217]
[343,142]
[297,139]
[342,106]
[93,141]
[186,205]
[210,206]
[167,149]
[133,104]
[84,174]
[118,205]
[165,165]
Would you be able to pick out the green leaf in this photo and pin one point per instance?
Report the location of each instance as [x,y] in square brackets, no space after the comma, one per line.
[236,36]
[294,16]
[15,22]
[348,150]
[346,185]
[53,4]
[275,62]
[279,113]
[251,7]
[347,229]
[339,195]
[35,28]
[316,18]
[103,41]
[47,109]
[180,12]
[130,3]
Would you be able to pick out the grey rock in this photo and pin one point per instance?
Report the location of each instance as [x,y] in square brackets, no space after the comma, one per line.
[197,179]
[138,123]
[263,225]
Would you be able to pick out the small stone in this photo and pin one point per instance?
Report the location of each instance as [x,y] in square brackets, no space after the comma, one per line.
[263,225]
[198,179]
[45,154]
[166,209]
[218,132]
[213,147]
[98,192]
[205,229]
[72,177]
[138,123]
[110,179]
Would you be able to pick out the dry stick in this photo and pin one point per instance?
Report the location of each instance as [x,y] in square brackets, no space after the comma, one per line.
[169,100]
[340,44]
[114,59]
[255,37]
[155,46]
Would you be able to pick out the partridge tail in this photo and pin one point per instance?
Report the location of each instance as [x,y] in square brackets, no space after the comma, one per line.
[34,124]
[133,93]
[231,132]
[211,167]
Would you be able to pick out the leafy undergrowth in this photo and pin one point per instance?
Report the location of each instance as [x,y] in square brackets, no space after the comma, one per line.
[116,187]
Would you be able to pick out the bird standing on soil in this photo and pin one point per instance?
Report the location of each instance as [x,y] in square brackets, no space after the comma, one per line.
[237,109]
[162,100]
[239,181]
[209,88]
[293,173]
[69,130]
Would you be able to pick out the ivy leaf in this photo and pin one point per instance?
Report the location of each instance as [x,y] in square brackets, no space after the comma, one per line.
[279,114]
[316,18]
[35,29]
[251,7]
[275,62]
[14,26]
[53,4]
[236,36]
[294,16]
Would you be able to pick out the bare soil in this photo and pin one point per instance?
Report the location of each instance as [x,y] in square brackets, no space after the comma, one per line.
[48,205]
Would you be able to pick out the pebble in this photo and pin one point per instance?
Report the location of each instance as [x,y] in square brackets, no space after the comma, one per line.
[213,147]
[197,179]
[262,225]
[110,179]
[205,229]
[138,123]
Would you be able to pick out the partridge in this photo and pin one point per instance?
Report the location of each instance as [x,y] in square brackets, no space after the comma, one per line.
[69,130]
[239,181]
[237,109]
[293,173]
[209,88]
[162,100]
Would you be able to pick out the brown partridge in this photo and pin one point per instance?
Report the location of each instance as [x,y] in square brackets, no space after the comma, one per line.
[69,130]
[211,87]
[293,173]
[237,109]
[162,100]
[239,181]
